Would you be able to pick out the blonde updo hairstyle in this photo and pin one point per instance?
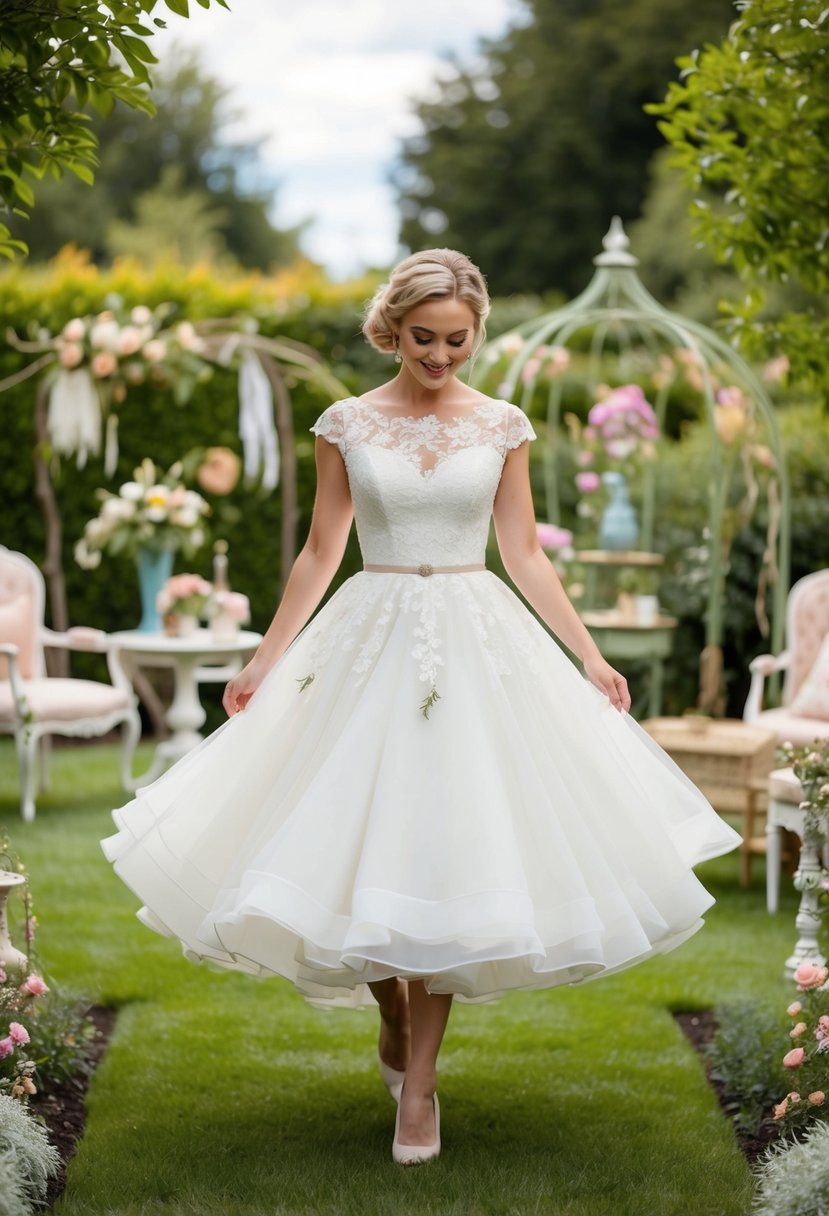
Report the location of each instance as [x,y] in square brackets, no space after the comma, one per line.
[432,274]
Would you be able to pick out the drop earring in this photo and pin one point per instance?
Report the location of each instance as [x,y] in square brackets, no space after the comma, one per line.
[398,358]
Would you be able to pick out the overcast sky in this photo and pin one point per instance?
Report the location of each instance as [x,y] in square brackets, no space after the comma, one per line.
[328,83]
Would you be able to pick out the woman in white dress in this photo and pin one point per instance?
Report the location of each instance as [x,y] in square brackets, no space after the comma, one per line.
[417,796]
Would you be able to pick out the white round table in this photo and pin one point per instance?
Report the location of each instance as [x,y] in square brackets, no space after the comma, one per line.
[197,658]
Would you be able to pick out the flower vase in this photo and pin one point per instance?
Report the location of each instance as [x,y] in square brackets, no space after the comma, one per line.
[154,568]
[619,527]
[186,624]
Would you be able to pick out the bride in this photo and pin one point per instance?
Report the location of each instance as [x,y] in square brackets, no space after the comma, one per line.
[418,797]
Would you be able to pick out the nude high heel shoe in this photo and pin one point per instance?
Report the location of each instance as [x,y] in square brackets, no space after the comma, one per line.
[392,1079]
[416,1154]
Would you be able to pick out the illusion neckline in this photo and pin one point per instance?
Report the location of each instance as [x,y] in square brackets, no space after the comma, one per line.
[377,409]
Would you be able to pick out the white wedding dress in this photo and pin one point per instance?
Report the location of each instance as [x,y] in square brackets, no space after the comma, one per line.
[424,785]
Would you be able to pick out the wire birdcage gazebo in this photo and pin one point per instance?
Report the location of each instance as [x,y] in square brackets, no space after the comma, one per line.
[616,321]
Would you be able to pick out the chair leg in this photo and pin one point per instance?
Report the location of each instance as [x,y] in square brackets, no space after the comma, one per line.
[45,755]
[773,835]
[26,741]
[130,737]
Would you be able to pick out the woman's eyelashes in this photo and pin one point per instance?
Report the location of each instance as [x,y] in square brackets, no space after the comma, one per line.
[426,341]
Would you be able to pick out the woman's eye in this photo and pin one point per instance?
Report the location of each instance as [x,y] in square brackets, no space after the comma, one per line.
[458,343]
[422,341]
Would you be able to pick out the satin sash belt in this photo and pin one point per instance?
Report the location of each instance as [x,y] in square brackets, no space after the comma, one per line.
[424,569]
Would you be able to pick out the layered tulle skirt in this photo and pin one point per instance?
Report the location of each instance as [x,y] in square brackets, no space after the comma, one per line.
[423,786]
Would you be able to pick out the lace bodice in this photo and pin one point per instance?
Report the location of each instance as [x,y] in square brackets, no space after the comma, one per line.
[423,488]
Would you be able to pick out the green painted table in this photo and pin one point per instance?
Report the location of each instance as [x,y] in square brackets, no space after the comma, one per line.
[620,640]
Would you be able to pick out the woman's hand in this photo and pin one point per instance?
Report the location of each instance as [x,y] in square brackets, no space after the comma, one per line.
[609,681]
[241,688]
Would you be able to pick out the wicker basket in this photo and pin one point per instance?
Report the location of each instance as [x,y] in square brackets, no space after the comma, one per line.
[725,758]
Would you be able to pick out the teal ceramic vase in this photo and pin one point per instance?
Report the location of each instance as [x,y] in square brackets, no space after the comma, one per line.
[154,568]
[619,527]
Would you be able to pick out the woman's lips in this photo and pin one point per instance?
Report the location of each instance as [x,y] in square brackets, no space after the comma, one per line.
[435,372]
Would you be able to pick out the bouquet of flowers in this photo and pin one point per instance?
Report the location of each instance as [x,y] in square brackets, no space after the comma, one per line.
[184,595]
[810,765]
[154,511]
[620,435]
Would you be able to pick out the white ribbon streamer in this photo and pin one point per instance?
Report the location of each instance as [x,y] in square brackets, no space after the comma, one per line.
[74,416]
[260,442]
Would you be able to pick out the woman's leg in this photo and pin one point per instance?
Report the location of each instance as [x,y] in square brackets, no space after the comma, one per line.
[393,998]
[429,1015]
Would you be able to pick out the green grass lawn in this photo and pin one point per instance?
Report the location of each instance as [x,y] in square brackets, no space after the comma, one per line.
[223,1094]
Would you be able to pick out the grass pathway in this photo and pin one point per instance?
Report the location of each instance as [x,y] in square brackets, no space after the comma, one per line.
[223,1095]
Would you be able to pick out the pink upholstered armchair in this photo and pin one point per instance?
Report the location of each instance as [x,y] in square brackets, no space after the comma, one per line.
[807,624]
[34,706]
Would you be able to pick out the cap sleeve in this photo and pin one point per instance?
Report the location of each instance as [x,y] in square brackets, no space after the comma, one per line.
[519,427]
[331,425]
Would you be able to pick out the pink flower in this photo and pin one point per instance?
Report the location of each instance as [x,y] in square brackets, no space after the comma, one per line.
[588,482]
[18,1034]
[155,350]
[74,330]
[552,537]
[6,1048]
[585,458]
[2,976]
[558,361]
[34,986]
[794,1009]
[797,1031]
[104,363]
[70,355]
[234,605]
[781,1108]
[793,1058]
[817,1098]
[141,315]
[776,369]
[129,340]
[810,975]
[530,370]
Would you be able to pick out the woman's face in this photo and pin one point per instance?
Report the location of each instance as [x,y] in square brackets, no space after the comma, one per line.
[436,339]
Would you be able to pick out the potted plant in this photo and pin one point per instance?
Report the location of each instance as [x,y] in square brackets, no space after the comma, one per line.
[637,599]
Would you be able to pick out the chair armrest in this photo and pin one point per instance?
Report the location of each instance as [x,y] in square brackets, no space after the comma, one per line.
[10,653]
[761,667]
[767,664]
[78,638]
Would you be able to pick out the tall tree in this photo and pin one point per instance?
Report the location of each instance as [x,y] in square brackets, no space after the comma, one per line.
[55,57]
[522,161]
[130,182]
[750,121]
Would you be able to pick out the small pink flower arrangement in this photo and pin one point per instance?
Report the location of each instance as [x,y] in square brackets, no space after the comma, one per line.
[234,605]
[620,435]
[551,537]
[811,1060]
[184,595]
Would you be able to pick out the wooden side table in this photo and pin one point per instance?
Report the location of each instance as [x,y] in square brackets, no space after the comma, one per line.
[729,762]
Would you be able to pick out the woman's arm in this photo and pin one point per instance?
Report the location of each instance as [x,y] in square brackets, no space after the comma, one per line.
[310,576]
[536,579]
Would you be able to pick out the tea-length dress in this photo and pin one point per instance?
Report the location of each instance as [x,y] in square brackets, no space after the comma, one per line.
[424,785]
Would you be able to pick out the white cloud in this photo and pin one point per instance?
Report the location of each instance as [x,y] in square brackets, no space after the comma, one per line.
[329,85]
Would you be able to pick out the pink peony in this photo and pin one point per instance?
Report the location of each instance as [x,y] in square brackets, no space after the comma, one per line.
[817,1098]
[74,330]
[6,1048]
[129,340]
[797,1031]
[70,355]
[793,1058]
[18,1034]
[781,1108]
[34,986]
[104,363]
[588,482]
[810,975]
[552,537]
